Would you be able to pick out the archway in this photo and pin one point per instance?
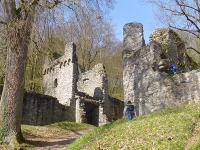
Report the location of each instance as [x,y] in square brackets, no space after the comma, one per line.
[92,113]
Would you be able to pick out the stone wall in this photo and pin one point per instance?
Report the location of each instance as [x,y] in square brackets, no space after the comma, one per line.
[168,91]
[94,83]
[60,76]
[172,48]
[117,107]
[192,46]
[41,109]
[87,110]
[102,107]
[151,89]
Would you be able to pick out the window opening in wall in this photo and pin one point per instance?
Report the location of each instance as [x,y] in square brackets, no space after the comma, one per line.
[69,60]
[44,72]
[47,70]
[55,83]
[61,64]
[65,63]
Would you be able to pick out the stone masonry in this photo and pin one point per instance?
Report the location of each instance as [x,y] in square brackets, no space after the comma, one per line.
[152,89]
[41,109]
[60,76]
[94,83]
[84,93]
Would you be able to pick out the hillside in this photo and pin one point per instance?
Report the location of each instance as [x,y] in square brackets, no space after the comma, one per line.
[174,129]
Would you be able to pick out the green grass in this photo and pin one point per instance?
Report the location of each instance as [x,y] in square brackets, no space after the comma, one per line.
[71,126]
[195,147]
[92,134]
[169,129]
[65,126]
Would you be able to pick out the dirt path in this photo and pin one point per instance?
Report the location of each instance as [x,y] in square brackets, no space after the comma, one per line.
[55,142]
[194,138]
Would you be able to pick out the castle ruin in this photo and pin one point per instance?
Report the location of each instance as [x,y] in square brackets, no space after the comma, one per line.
[149,87]
[85,94]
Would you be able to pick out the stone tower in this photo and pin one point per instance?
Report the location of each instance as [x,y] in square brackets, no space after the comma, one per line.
[60,76]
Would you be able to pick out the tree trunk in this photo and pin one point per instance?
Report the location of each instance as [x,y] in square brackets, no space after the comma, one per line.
[18,38]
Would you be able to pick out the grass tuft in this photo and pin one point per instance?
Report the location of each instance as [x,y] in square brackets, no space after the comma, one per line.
[71,126]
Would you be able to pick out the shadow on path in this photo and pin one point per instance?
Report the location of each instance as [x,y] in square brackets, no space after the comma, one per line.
[54,143]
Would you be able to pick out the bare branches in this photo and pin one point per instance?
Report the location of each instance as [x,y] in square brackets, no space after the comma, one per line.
[191,48]
[186,30]
[184,5]
[187,16]
[48,4]
[183,14]
[3,22]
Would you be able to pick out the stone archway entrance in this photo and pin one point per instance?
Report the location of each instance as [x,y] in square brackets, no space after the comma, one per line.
[92,113]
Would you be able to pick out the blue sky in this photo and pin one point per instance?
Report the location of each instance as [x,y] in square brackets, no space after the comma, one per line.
[126,11]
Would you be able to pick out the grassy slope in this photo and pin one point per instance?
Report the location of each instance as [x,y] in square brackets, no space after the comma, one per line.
[168,129]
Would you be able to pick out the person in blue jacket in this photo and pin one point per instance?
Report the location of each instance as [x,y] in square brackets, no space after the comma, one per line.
[173,68]
[129,110]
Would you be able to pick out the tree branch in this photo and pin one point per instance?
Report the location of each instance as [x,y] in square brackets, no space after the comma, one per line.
[197,4]
[184,5]
[3,22]
[48,4]
[187,17]
[33,2]
[193,49]
[175,12]
[186,30]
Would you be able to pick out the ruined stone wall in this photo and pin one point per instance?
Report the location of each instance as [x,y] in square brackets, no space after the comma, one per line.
[168,91]
[60,76]
[87,111]
[136,75]
[40,109]
[94,83]
[172,48]
[151,89]
[117,107]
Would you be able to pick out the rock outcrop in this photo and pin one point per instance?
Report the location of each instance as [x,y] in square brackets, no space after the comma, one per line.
[153,89]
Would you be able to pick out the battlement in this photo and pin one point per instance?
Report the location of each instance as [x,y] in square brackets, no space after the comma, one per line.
[60,76]
[68,57]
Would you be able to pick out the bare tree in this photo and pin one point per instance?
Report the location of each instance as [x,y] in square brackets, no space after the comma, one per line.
[94,36]
[182,15]
[18,18]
